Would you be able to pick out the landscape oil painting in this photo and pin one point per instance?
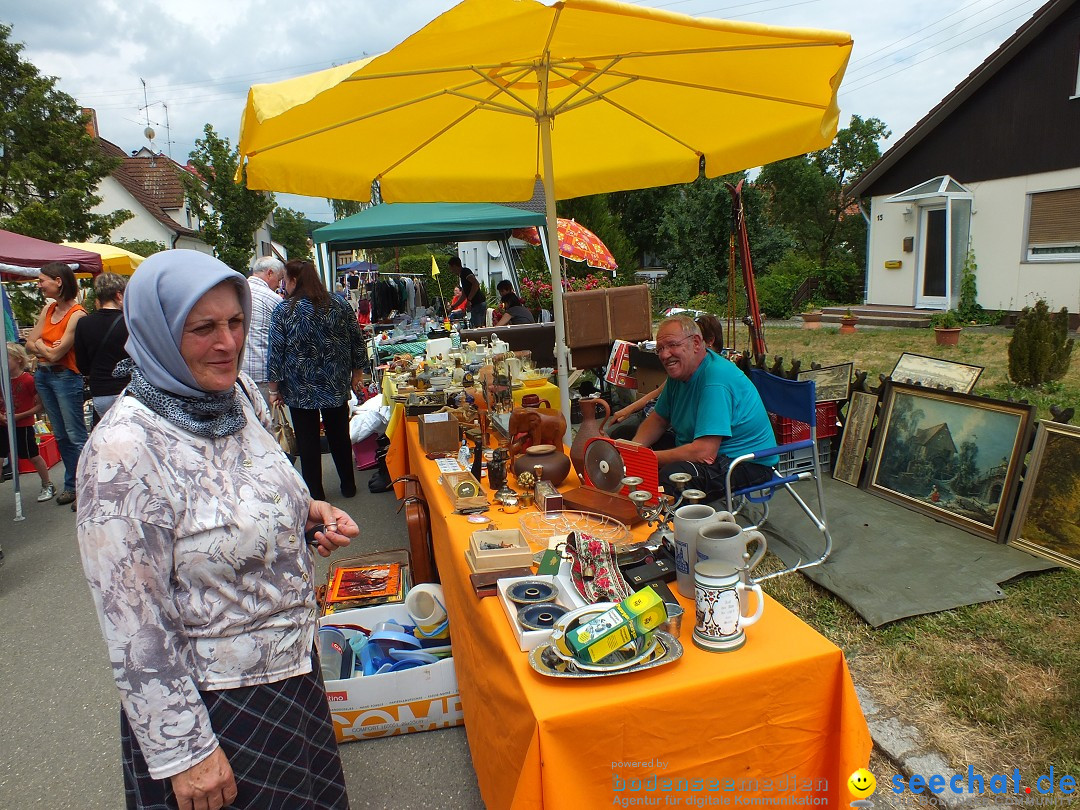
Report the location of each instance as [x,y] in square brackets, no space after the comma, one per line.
[1047,521]
[955,457]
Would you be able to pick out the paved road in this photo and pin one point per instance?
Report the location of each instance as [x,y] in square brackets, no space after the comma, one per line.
[59,741]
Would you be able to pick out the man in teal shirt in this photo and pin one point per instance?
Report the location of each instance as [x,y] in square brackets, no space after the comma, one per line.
[708,414]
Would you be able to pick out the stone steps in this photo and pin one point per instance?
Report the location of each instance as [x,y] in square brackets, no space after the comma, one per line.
[879,316]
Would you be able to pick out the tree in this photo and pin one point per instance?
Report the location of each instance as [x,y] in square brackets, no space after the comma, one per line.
[144,247]
[346,208]
[229,212]
[811,199]
[290,229]
[49,164]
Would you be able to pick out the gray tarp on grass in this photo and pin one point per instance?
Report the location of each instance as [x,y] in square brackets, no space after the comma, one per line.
[888,562]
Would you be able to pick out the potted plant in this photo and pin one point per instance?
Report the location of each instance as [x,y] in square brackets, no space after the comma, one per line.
[946,328]
[847,322]
[811,317]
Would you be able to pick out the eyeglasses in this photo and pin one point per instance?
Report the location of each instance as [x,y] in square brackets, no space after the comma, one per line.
[671,344]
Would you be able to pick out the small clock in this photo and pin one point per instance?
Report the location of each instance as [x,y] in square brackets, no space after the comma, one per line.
[466,489]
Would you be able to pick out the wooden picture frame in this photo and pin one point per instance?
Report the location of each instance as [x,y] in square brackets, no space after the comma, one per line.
[1047,518]
[831,383]
[954,457]
[852,451]
[932,372]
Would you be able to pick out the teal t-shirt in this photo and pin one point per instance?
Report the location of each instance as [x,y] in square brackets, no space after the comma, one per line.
[718,400]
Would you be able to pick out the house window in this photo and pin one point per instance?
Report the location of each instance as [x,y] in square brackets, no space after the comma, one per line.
[1054,225]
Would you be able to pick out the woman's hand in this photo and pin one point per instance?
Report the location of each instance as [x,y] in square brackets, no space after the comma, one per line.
[339,526]
[620,415]
[208,785]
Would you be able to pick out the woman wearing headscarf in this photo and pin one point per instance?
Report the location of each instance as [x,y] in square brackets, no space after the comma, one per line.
[316,355]
[58,381]
[192,534]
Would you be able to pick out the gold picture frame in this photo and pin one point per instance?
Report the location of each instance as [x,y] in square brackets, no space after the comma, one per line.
[932,372]
[852,451]
[831,383]
[954,457]
[1047,518]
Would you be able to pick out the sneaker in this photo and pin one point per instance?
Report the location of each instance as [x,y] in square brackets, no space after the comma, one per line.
[65,497]
[47,493]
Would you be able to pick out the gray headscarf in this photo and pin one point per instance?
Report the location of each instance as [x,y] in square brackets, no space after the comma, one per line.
[161,294]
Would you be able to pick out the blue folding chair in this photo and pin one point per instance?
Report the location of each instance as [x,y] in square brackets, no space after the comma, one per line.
[794,400]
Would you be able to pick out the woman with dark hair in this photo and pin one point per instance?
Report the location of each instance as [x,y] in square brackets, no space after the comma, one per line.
[514,312]
[192,527]
[712,331]
[99,342]
[316,355]
[58,381]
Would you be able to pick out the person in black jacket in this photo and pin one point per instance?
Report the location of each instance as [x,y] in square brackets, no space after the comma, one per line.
[99,342]
[471,292]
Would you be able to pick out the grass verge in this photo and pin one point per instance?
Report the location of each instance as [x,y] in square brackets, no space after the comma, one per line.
[994,685]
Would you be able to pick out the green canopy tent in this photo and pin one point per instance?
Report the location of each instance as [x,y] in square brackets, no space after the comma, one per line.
[401,224]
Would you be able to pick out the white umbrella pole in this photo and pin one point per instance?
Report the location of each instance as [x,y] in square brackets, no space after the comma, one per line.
[562,368]
[9,409]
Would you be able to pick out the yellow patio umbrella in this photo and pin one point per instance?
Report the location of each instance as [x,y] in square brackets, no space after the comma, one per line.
[585,96]
[113,259]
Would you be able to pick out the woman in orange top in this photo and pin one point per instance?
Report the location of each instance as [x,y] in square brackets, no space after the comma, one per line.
[58,381]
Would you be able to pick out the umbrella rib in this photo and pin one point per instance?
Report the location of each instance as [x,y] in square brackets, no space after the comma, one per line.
[455,91]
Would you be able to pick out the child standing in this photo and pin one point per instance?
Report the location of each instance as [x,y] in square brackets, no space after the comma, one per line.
[26,404]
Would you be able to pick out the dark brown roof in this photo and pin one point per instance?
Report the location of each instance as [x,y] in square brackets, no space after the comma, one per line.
[154,181]
[1038,23]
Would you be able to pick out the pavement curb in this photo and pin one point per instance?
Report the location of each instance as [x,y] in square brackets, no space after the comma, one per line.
[905,747]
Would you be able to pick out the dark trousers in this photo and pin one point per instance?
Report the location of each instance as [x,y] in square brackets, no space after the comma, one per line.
[478,315]
[336,423]
[710,478]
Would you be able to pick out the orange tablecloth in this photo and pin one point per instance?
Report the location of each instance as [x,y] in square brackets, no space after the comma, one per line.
[778,718]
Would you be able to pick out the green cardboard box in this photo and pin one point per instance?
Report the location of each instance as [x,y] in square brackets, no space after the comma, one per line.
[635,616]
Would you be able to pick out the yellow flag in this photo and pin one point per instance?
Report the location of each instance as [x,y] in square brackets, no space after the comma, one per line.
[434,266]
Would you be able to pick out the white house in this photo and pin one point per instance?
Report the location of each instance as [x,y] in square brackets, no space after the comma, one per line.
[148,185]
[995,165]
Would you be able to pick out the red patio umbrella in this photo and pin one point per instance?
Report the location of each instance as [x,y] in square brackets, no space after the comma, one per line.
[576,243]
[22,256]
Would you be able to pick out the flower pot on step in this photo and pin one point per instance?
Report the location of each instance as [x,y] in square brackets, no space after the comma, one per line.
[847,324]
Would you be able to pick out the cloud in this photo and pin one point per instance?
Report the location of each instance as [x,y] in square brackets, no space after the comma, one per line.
[198,61]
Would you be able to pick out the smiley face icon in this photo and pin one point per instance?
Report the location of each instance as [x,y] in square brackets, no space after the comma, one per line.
[862,784]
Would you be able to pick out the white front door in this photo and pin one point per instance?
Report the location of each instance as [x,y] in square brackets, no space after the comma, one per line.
[932,289]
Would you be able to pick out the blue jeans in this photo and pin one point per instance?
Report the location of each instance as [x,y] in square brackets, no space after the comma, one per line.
[61,393]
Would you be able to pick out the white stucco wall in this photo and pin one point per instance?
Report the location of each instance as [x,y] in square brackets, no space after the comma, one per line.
[490,270]
[142,226]
[1006,279]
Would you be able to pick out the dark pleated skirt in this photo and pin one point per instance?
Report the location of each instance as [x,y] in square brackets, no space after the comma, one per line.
[279,740]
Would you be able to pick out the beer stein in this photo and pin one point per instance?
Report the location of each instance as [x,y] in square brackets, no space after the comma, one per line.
[720,599]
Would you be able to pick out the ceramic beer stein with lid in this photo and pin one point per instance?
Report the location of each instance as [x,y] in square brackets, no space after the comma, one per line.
[689,520]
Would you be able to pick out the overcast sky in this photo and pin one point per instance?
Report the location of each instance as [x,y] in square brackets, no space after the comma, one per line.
[199,57]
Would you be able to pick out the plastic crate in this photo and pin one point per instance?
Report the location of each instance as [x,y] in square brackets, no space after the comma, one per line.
[801,460]
[791,430]
[47,449]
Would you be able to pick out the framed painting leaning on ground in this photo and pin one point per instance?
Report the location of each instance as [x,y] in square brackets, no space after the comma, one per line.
[831,383]
[1047,521]
[954,457]
[852,452]
[932,372]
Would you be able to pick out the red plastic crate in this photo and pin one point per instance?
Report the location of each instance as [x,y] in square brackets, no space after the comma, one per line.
[791,430]
[47,449]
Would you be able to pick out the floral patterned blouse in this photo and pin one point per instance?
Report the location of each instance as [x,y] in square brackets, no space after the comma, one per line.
[314,352]
[194,551]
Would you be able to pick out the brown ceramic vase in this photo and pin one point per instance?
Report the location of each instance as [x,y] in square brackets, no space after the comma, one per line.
[590,428]
[556,464]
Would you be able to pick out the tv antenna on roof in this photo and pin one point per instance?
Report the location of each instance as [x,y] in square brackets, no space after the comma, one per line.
[149,131]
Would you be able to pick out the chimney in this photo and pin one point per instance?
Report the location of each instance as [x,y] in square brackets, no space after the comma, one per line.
[91,122]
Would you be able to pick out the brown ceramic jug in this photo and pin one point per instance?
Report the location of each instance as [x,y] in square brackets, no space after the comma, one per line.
[590,428]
